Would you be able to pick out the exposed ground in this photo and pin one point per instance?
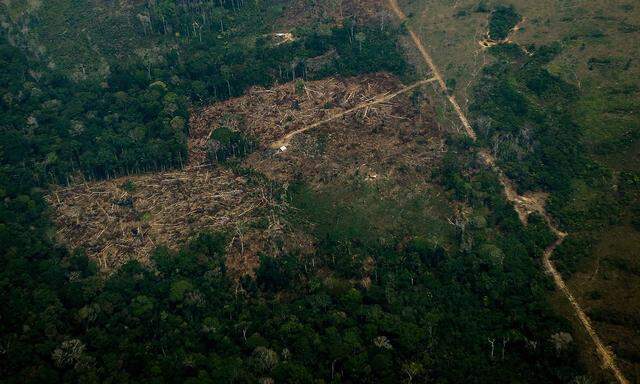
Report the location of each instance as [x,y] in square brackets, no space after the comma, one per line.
[395,142]
[368,126]
[269,114]
[283,142]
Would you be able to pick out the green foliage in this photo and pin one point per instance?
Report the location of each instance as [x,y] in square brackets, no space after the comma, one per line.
[61,321]
[227,143]
[179,289]
[463,288]
[141,306]
[58,127]
[606,113]
[299,87]
[430,305]
[570,253]
[544,133]
[482,7]
[501,22]
[377,51]
[128,186]
[392,292]
[526,115]
[136,120]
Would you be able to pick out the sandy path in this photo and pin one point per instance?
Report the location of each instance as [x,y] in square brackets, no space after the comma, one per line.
[524,206]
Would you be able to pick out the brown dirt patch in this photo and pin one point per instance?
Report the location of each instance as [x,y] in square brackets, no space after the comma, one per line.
[393,141]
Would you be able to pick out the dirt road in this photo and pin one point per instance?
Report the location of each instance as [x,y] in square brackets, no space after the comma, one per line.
[524,206]
[434,69]
[283,142]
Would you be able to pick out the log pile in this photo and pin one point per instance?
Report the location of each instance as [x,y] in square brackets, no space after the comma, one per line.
[269,114]
[127,218]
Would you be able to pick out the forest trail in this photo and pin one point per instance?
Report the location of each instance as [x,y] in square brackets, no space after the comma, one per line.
[283,142]
[524,205]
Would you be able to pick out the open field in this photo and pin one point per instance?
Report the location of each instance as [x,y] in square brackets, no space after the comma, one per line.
[628,133]
[599,56]
[609,287]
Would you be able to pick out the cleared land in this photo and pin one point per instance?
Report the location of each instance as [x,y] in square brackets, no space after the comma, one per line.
[127,218]
[395,141]
[284,141]
[269,114]
[392,143]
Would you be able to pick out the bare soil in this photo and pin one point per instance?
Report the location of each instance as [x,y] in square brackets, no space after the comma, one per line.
[369,127]
[395,141]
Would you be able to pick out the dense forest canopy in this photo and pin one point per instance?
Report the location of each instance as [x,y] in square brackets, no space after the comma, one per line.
[503,19]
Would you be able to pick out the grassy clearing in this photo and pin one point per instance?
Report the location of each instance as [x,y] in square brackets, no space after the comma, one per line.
[451,34]
[599,55]
[607,282]
[360,211]
[611,120]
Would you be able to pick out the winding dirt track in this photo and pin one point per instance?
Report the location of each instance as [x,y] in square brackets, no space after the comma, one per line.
[379,99]
[523,206]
